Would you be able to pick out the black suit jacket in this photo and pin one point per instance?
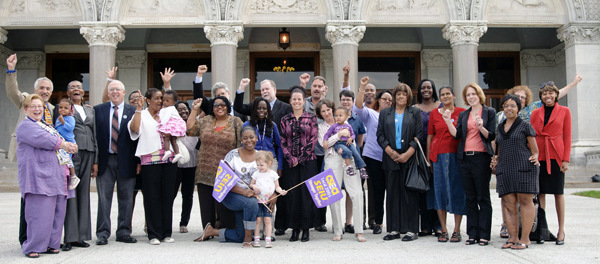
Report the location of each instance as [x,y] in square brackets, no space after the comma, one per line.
[125,146]
[279,110]
[488,115]
[412,127]
[207,105]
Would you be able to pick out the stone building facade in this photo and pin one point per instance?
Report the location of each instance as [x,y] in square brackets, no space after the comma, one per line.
[447,41]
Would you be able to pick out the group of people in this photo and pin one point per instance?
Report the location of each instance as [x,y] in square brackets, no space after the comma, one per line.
[157,143]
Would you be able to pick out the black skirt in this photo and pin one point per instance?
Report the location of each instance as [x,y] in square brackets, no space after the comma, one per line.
[299,212]
[553,183]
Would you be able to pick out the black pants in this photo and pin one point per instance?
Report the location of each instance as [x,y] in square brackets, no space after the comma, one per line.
[158,198]
[322,211]
[186,178]
[22,224]
[378,184]
[430,222]
[475,174]
[402,204]
[209,208]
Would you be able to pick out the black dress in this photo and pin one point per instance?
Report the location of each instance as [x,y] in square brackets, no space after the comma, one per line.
[514,172]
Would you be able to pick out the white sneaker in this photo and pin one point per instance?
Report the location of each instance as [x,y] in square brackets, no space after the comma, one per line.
[167,155]
[168,240]
[177,158]
[73,182]
[154,241]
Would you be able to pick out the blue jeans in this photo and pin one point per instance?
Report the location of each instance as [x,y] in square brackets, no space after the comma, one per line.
[245,210]
[349,152]
[263,211]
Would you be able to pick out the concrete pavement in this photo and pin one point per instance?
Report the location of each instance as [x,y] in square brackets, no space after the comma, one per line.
[581,245]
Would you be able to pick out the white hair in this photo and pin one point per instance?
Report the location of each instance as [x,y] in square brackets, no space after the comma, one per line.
[37,82]
[217,86]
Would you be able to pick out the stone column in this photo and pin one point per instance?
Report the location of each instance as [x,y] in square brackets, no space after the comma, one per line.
[344,37]
[132,70]
[224,36]
[582,54]
[102,38]
[437,64]
[243,71]
[538,66]
[326,70]
[464,38]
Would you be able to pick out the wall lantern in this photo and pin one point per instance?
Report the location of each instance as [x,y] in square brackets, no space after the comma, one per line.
[284,39]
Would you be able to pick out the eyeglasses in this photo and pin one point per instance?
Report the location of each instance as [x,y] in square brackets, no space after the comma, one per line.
[550,83]
[224,105]
[510,106]
[36,107]
[134,98]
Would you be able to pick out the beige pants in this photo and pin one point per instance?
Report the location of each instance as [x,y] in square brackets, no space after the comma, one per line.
[354,189]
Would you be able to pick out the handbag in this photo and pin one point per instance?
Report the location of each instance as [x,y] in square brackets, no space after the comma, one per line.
[419,171]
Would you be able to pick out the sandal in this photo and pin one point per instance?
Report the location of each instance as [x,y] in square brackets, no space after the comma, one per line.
[337,238]
[32,255]
[201,238]
[483,242]
[247,244]
[519,246]
[52,251]
[455,237]
[443,237]
[504,231]
[471,242]
[360,238]
[508,245]
[183,229]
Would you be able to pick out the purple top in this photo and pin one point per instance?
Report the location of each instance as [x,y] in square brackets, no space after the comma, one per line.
[335,128]
[39,169]
[371,118]
[425,118]
[298,137]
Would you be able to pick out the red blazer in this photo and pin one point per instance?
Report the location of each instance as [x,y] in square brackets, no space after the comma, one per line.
[553,140]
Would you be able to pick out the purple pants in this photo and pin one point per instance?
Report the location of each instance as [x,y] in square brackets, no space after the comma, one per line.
[45,216]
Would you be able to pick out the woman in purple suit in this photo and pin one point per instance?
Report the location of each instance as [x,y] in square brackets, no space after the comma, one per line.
[42,154]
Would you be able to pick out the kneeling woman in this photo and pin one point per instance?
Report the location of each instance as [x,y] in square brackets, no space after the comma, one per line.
[240,199]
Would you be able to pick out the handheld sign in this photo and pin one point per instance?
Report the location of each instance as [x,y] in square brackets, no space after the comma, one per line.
[224,181]
[324,189]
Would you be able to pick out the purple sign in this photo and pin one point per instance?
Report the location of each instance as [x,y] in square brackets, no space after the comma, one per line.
[224,181]
[324,189]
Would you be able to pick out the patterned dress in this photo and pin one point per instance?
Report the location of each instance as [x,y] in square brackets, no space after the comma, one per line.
[298,139]
[514,172]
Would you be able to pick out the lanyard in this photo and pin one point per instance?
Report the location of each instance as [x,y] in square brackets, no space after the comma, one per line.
[262,140]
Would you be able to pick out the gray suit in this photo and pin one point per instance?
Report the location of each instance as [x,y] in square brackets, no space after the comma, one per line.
[78,223]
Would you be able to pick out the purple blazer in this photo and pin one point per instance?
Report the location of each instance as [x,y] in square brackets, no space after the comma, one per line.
[39,169]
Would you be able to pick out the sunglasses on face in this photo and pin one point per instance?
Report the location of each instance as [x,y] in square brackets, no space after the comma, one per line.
[221,104]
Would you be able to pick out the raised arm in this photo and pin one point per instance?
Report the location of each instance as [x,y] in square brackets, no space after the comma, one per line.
[199,91]
[166,78]
[346,71]
[304,79]
[238,102]
[12,86]
[134,125]
[360,97]
[565,90]
[112,75]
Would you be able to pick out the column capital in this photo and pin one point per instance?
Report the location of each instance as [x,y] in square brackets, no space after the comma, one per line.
[4,54]
[543,58]
[345,31]
[3,35]
[437,58]
[130,59]
[102,33]
[326,57]
[459,32]
[579,33]
[224,32]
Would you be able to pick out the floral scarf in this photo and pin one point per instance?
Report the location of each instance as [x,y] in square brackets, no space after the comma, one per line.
[63,156]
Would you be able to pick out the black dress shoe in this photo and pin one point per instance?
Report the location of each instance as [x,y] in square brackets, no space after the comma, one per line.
[364,227]
[126,239]
[321,228]
[101,241]
[81,243]
[424,233]
[376,229]
[391,236]
[295,234]
[560,242]
[349,229]
[305,235]
[410,237]
[66,247]
[279,232]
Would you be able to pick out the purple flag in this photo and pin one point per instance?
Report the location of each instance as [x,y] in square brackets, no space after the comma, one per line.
[224,182]
[324,189]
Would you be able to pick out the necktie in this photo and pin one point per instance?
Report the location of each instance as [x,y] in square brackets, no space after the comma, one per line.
[47,115]
[114,130]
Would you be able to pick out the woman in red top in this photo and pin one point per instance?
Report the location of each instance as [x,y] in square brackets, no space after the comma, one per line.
[552,124]
[441,149]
